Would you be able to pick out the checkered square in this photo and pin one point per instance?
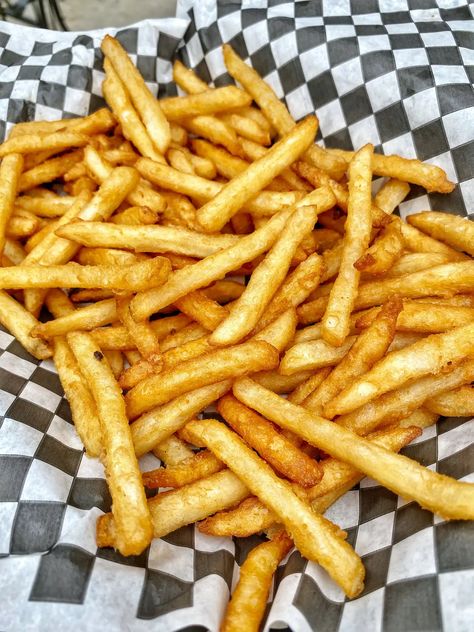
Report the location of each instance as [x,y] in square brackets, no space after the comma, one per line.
[397,73]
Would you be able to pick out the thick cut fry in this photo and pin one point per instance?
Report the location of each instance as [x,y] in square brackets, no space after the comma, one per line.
[154,427]
[266,279]
[335,327]
[194,468]
[19,322]
[428,176]
[147,238]
[313,354]
[391,194]
[369,347]
[399,404]
[220,364]
[424,317]
[457,232]
[313,535]
[438,493]
[456,403]
[10,173]
[31,143]
[49,170]
[214,267]
[204,103]
[116,362]
[147,106]
[384,252]
[275,448]
[281,383]
[442,280]
[133,526]
[136,277]
[247,606]
[86,318]
[429,355]
[217,212]
[175,509]
[19,227]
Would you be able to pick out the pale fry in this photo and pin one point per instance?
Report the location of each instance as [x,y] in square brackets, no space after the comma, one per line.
[133,526]
[441,494]
[429,355]
[10,173]
[313,535]
[457,232]
[335,326]
[456,403]
[148,107]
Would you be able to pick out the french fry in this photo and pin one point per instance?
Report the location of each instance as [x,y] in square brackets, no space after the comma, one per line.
[172,451]
[133,525]
[98,122]
[429,355]
[457,232]
[313,535]
[215,213]
[14,251]
[400,403]
[35,142]
[18,321]
[116,361]
[456,403]
[179,160]
[304,390]
[135,216]
[278,383]
[369,347]
[214,267]
[247,128]
[335,322]
[221,364]
[441,494]
[261,435]
[19,227]
[142,334]
[384,252]
[49,170]
[227,165]
[266,279]
[107,256]
[247,606]
[412,262]
[148,107]
[417,241]
[196,467]
[214,130]
[154,427]
[204,103]
[10,174]
[391,194]
[198,306]
[313,354]
[86,318]
[136,277]
[192,331]
[147,238]
[441,280]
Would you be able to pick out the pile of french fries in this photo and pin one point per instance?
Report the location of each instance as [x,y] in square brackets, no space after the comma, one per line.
[135,227]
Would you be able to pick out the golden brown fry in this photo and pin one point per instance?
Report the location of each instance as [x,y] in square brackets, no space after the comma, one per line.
[160,423]
[204,103]
[19,227]
[146,104]
[417,241]
[457,232]
[429,355]
[179,160]
[247,606]
[261,435]
[15,318]
[133,526]
[456,403]
[116,361]
[440,494]
[247,128]
[196,467]
[384,252]
[107,256]
[142,334]
[199,307]
[86,318]
[335,326]
[47,207]
[412,262]
[190,332]
[313,535]
[10,173]
[215,213]
[135,216]
[304,390]
[215,130]
[278,383]
[221,364]
[172,451]
[313,354]
[226,164]
[49,170]
[35,142]
[391,194]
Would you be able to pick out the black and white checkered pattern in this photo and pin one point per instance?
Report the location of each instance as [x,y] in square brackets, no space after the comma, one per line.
[395,72]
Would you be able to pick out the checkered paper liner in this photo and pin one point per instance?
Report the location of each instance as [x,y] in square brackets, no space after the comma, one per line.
[397,73]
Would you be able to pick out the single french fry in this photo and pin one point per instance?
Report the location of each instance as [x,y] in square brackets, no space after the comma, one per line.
[179,211]
[147,238]
[86,318]
[247,606]
[261,435]
[194,468]
[35,142]
[158,424]
[313,535]
[191,331]
[49,170]
[148,107]
[107,256]
[368,348]
[247,128]
[313,354]
[10,173]
[135,216]
[116,361]
[98,122]
[204,310]
[441,280]
[172,451]
[266,279]
[214,267]
[118,337]
[205,103]
[429,355]
[19,227]
[278,383]
[412,262]
[179,160]
[142,334]
[215,213]
[400,403]
[384,252]
[18,321]
[133,526]
[391,194]
[214,130]
[221,364]
[417,241]
[455,403]
[14,251]
[335,327]
[457,232]
[441,494]
[227,165]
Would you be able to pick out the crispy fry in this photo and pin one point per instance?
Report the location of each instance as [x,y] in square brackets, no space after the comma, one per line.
[412,262]
[47,207]
[278,383]
[335,326]
[247,606]
[457,232]
[172,451]
[417,241]
[86,318]
[148,107]
[247,128]
[391,194]
[142,334]
[135,216]
[15,318]
[107,256]
[49,170]
[313,535]
[313,354]
[429,355]
[441,494]
[215,130]
[456,403]
[198,306]
[384,252]
[10,174]
[116,361]
[19,227]
[196,467]
[35,142]
[204,103]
